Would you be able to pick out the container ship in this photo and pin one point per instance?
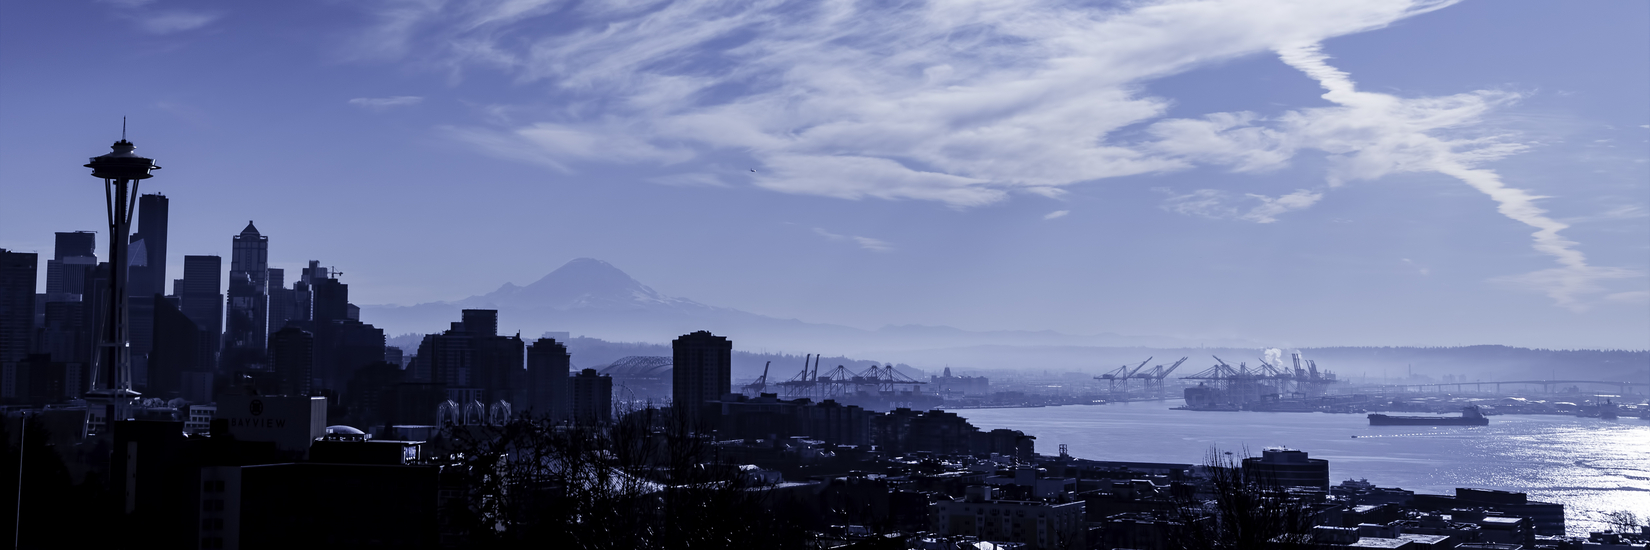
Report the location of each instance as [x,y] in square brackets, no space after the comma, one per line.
[1469,417]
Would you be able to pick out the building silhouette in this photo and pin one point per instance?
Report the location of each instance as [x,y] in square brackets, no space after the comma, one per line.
[1287,468]
[76,253]
[176,350]
[343,344]
[548,367]
[592,397]
[472,361]
[201,299]
[703,372]
[292,357]
[17,283]
[146,274]
[246,326]
[281,304]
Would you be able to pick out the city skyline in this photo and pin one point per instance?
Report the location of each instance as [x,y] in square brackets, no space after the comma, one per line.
[1249,226]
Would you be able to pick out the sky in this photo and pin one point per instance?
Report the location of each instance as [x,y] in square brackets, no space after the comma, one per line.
[1301,173]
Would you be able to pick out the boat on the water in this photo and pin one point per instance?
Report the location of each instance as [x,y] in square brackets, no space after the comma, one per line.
[1470,416]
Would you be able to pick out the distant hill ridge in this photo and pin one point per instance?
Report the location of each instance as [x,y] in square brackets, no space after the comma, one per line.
[615,313]
[592,297]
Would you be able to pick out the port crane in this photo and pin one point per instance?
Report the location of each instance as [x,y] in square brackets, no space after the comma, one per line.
[755,389]
[1123,374]
[1153,379]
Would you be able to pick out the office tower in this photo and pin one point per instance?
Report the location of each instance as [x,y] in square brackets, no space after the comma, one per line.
[368,390]
[17,282]
[146,268]
[330,300]
[153,211]
[176,351]
[592,397]
[480,322]
[246,323]
[66,271]
[548,366]
[342,344]
[702,366]
[78,243]
[280,300]
[292,354]
[475,364]
[202,301]
[499,360]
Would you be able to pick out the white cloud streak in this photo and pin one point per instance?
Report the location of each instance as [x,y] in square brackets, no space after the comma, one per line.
[379,103]
[874,245]
[1221,205]
[162,21]
[964,102]
[1056,214]
[961,102]
[1384,134]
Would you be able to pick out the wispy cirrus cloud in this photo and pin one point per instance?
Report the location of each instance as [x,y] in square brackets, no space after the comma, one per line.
[380,103]
[1222,205]
[961,102]
[1397,139]
[1056,214]
[875,245]
[162,20]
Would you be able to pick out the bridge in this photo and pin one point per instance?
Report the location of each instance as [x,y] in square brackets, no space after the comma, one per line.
[1546,385]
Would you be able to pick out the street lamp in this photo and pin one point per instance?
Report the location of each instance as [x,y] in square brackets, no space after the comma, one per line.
[117,169]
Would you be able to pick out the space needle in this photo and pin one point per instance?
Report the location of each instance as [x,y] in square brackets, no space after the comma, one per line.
[111,370]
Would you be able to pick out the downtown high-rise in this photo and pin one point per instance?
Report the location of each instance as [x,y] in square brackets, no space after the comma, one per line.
[246,323]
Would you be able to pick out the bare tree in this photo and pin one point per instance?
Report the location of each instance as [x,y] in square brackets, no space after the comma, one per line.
[1238,509]
[647,480]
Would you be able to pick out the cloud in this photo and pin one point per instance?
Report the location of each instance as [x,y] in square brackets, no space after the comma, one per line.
[1222,205]
[1623,212]
[1630,297]
[1383,134]
[1418,267]
[965,103]
[697,179]
[875,245]
[380,103]
[176,21]
[1056,214]
[162,21]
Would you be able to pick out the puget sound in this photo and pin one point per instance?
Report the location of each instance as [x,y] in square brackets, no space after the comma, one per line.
[1590,465]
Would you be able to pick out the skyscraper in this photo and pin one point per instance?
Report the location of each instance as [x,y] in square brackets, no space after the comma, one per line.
[148,261]
[472,360]
[280,300]
[17,279]
[246,327]
[177,350]
[66,271]
[292,355]
[592,397]
[702,370]
[202,301]
[342,344]
[548,365]
[146,271]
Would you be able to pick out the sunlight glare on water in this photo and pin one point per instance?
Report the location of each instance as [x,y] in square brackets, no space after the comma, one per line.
[1591,466]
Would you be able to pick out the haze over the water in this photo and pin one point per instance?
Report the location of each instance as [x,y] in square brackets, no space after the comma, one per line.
[1293,173]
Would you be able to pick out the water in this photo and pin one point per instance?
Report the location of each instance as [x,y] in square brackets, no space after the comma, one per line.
[1592,466]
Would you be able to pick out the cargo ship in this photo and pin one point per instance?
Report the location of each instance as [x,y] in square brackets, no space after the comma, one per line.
[1469,417]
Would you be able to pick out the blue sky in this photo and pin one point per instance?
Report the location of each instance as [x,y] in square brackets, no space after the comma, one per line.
[1298,173]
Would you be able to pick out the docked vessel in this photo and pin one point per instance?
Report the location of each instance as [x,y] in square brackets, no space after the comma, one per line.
[1470,416]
